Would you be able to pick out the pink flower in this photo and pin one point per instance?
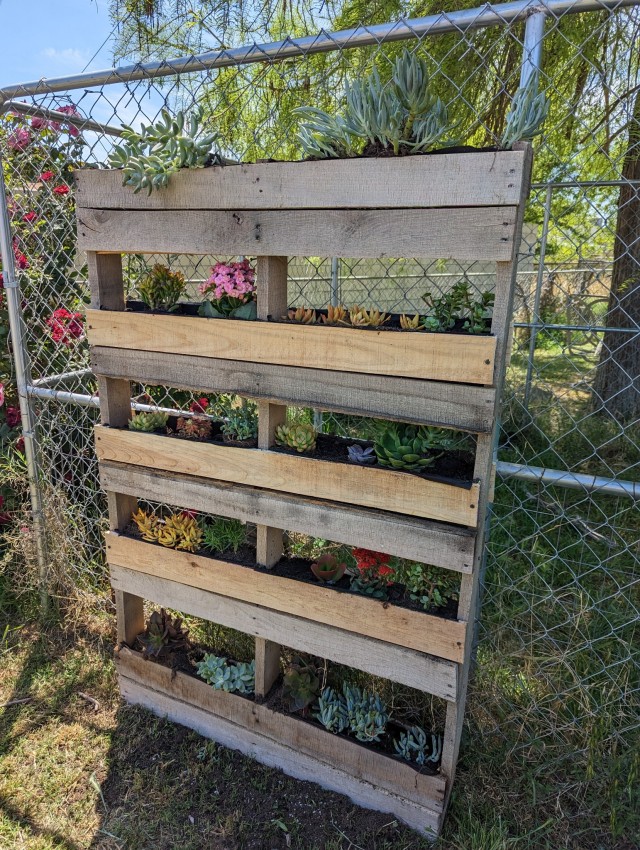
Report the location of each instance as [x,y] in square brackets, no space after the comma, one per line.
[1,394]
[46,176]
[61,190]
[13,416]
[19,139]
[30,216]
[65,326]
[39,123]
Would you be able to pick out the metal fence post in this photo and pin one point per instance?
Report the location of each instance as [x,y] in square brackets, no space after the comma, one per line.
[23,380]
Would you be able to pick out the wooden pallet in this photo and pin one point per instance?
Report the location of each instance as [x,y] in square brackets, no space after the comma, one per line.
[463,206]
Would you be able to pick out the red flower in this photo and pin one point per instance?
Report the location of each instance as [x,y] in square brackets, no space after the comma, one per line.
[65,326]
[30,216]
[199,406]
[20,445]
[13,416]
[61,190]
[372,565]
[21,260]
[46,176]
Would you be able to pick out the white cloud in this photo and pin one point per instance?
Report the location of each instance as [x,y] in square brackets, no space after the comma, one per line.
[70,58]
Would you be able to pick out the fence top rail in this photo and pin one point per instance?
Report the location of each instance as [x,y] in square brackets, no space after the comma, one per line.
[459,20]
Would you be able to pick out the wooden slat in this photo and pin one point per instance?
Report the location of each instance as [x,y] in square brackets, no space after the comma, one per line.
[397,663]
[266,750]
[406,399]
[347,611]
[438,357]
[405,537]
[446,180]
[372,487]
[481,233]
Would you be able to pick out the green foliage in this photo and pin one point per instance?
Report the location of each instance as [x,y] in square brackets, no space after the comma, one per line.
[148,158]
[163,634]
[161,289]
[240,417]
[296,435]
[148,421]
[332,711]
[411,447]
[222,534]
[527,113]
[376,588]
[236,678]
[429,586]
[458,305]
[413,745]
[300,684]
[361,712]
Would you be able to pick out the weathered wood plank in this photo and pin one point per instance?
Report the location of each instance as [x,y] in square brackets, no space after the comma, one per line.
[438,357]
[446,180]
[383,489]
[397,663]
[461,406]
[361,762]
[347,611]
[481,233]
[405,537]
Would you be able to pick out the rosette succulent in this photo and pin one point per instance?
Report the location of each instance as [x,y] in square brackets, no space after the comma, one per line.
[298,436]
[411,447]
[148,421]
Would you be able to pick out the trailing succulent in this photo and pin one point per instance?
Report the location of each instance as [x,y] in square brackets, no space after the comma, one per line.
[413,745]
[296,435]
[332,711]
[328,569]
[163,635]
[300,684]
[402,115]
[149,157]
[161,289]
[236,677]
[527,114]
[411,447]
[148,421]
[361,712]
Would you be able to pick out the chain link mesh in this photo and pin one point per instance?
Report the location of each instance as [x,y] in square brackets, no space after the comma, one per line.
[557,663]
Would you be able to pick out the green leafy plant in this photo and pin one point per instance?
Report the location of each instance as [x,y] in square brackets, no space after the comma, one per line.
[332,711]
[429,586]
[161,289]
[445,310]
[328,569]
[479,312]
[148,421]
[411,447]
[150,156]
[413,745]
[240,417]
[163,634]
[373,574]
[236,678]
[300,684]
[297,435]
[528,112]
[222,534]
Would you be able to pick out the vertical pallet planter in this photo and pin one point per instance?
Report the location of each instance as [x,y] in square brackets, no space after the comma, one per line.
[463,206]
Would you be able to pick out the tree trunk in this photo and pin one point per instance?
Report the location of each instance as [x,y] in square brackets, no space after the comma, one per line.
[617,382]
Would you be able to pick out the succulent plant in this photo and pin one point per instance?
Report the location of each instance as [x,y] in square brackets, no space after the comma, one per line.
[240,417]
[366,713]
[180,531]
[222,534]
[361,454]
[337,315]
[361,318]
[163,634]
[411,447]
[297,435]
[527,114]
[147,525]
[223,676]
[300,684]
[410,324]
[161,289]
[323,135]
[328,569]
[301,315]
[149,157]
[479,312]
[332,711]
[194,427]
[148,421]
[412,745]
[429,586]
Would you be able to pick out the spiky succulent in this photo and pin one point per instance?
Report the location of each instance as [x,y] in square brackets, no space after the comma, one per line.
[221,534]
[361,318]
[300,684]
[411,447]
[148,421]
[332,711]
[527,114]
[328,568]
[180,531]
[147,525]
[150,156]
[297,435]
[163,635]
[223,676]
[367,715]
[361,454]
[161,289]
[302,315]
[407,323]
[413,745]
[337,315]
[194,427]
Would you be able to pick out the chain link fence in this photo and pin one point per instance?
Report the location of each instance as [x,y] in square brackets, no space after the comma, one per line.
[557,675]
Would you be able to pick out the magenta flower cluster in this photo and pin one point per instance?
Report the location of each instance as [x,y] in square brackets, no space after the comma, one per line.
[233,280]
[21,138]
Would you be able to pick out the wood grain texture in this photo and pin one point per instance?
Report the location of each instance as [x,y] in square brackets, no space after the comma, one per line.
[459,358]
[383,489]
[347,611]
[446,180]
[405,537]
[267,658]
[397,663]
[481,233]
[406,399]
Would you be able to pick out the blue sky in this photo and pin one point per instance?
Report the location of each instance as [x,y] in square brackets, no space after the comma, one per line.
[52,38]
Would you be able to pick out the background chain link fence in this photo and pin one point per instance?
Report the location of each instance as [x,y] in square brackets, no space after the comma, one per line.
[557,674]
